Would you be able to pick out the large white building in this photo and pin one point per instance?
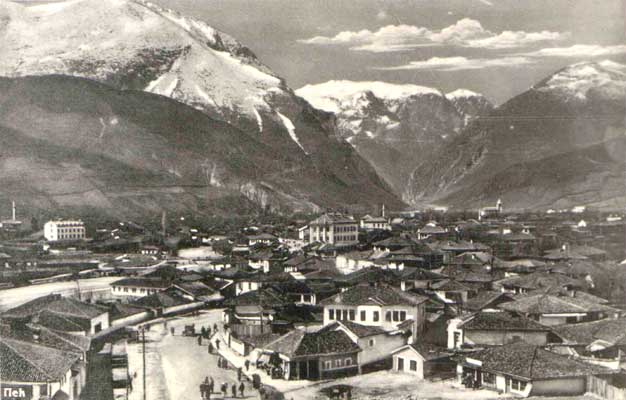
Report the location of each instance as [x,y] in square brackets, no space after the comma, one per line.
[335,229]
[64,230]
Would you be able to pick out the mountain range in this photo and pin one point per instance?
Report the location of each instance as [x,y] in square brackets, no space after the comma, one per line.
[243,134]
[128,108]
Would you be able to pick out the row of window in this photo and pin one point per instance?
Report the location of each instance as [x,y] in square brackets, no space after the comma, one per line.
[135,290]
[412,364]
[345,238]
[489,379]
[350,315]
[349,228]
[339,363]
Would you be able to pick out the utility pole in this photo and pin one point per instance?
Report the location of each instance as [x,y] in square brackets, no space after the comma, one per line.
[143,354]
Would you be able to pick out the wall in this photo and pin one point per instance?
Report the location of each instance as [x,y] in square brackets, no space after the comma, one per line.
[408,355]
[383,346]
[560,387]
[103,320]
[131,319]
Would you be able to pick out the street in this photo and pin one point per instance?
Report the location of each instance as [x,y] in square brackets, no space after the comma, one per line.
[176,365]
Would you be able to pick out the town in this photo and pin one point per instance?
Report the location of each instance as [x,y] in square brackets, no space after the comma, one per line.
[414,304]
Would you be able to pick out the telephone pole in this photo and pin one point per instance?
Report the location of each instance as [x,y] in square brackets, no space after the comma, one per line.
[143,354]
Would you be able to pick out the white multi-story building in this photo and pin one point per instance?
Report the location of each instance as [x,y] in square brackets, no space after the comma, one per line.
[64,230]
[335,229]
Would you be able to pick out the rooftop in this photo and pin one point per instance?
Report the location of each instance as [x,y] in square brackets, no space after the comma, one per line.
[300,343]
[501,321]
[380,295]
[553,304]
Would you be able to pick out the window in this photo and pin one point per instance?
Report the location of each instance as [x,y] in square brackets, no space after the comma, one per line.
[328,364]
[339,316]
[331,313]
[376,316]
[352,315]
[396,316]
[371,342]
[388,316]
[518,385]
[413,365]
[402,315]
[488,378]
[348,362]
[43,390]
[363,317]
[338,363]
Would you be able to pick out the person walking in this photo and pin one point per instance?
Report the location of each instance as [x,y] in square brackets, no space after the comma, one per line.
[210,348]
[233,390]
[224,389]
[215,328]
[239,374]
[247,364]
[217,344]
[211,385]
[242,387]
[199,340]
[172,330]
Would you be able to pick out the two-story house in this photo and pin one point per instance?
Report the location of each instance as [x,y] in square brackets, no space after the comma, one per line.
[336,229]
[379,305]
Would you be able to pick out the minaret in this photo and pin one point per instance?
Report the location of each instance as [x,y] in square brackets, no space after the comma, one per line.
[13,209]
[383,211]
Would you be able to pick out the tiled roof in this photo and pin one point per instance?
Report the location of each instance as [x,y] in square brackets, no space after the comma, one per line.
[167,298]
[532,362]
[483,299]
[538,280]
[28,362]
[381,294]
[501,321]
[610,330]
[361,330]
[449,285]
[553,304]
[300,343]
[41,335]
[420,274]
[143,283]
[56,304]
[266,297]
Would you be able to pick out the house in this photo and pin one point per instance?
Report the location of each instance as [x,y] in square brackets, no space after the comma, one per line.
[262,238]
[451,249]
[568,252]
[495,329]
[490,212]
[538,280]
[35,371]
[431,231]
[325,354]
[60,230]
[335,229]
[62,314]
[354,260]
[423,360]
[303,233]
[557,309]
[382,305]
[252,313]
[168,302]
[418,278]
[486,300]
[139,287]
[375,342]
[526,370]
[370,223]
[450,291]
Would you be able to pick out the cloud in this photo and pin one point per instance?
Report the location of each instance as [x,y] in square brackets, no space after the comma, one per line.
[465,32]
[579,50]
[460,63]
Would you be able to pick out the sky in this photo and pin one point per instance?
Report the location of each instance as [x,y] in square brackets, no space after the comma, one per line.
[496,47]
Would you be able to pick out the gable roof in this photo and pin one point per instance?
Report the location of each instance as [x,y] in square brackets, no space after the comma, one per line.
[300,343]
[553,304]
[501,321]
[332,218]
[381,295]
[29,362]
[538,280]
[426,350]
[531,362]
[152,283]
[57,304]
[484,298]
[610,330]
[358,330]
[449,285]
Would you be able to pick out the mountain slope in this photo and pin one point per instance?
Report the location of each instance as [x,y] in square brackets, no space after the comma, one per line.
[543,133]
[393,125]
[133,44]
[72,142]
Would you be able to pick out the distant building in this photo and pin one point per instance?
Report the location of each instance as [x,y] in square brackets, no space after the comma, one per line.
[490,212]
[139,287]
[370,223]
[333,228]
[64,230]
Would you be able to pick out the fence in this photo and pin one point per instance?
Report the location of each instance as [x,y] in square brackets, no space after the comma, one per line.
[601,386]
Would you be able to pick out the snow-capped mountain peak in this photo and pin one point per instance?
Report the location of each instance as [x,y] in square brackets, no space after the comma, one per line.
[462,93]
[606,79]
